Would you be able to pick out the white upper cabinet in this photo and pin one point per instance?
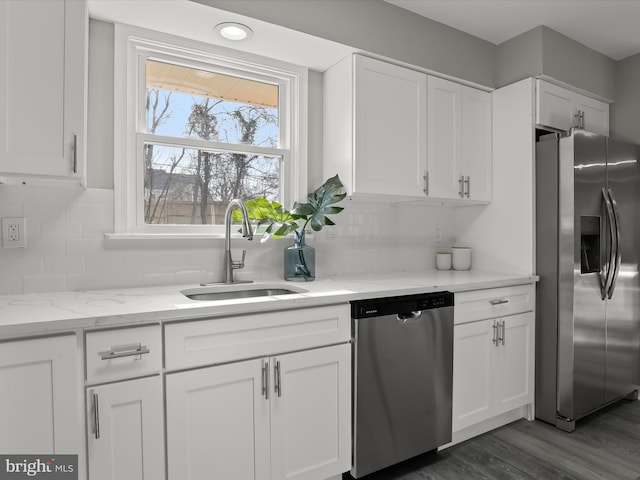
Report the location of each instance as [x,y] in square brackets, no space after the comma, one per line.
[459,142]
[375,117]
[43,54]
[562,109]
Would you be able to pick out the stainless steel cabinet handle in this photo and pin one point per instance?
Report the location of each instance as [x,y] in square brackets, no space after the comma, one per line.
[265,379]
[498,302]
[96,416]
[495,333]
[579,116]
[461,186]
[277,379]
[426,182]
[75,154]
[124,351]
[501,336]
[467,182]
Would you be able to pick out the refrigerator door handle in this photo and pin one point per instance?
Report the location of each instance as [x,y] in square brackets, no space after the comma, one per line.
[618,256]
[608,277]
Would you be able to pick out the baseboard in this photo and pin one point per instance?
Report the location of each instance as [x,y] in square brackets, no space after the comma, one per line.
[488,425]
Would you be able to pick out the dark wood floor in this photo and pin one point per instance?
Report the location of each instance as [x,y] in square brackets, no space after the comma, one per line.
[605,446]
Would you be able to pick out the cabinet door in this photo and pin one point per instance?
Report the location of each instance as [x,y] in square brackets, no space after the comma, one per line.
[42,88]
[473,352]
[514,365]
[595,114]
[39,398]
[218,423]
[311,414]
[390,129]
[125,430]
[476,143]
[555,106]
[444,138]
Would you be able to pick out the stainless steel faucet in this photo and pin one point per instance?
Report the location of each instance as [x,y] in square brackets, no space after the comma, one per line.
[247,232]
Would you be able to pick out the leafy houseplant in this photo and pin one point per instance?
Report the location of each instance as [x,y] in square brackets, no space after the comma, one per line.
[274,221]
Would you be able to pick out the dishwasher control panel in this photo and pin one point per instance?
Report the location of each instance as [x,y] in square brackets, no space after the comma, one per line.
[401,304]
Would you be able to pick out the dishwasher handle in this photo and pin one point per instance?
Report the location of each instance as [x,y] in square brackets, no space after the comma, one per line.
[403,317]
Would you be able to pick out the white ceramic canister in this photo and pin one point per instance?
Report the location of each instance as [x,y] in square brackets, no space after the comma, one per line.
[443,261]
[461,258]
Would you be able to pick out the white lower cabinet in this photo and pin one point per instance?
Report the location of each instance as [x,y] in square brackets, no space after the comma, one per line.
[493,368]
[311,414]
[126,435]
[125,418]
[39,401]
[281,417]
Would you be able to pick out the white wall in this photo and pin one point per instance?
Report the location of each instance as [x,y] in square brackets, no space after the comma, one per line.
[67,249]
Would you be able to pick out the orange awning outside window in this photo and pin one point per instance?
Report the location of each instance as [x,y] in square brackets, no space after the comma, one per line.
[166,76]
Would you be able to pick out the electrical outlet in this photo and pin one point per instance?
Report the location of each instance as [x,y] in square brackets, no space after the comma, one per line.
[437,233]
[14,233]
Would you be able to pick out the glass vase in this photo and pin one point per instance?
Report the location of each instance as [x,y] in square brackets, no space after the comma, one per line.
[299,260]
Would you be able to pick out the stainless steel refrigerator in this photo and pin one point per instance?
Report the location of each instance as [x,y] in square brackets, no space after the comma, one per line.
[588,296]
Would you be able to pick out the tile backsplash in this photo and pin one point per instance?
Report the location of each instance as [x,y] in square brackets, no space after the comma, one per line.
[67,249]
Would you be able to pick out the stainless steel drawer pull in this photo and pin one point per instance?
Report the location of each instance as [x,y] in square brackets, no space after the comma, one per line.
[498,302]
[265,380]
[277,379]
[75,154]
[96,416]
[125,351]
[495,327]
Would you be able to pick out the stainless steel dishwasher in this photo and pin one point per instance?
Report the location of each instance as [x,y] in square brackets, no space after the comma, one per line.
[403,378]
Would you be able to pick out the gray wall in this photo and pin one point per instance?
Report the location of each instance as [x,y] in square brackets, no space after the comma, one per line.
[519,58]
[100,112]
[416,40]
[542,51]
[100,106]
[625,113]
[369,25]
[567,60]
[380,28]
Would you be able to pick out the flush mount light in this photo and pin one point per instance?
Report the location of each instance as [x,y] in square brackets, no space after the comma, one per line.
[233,31]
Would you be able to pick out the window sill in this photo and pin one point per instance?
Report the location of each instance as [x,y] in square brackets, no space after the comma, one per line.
[183,236]
[165,236]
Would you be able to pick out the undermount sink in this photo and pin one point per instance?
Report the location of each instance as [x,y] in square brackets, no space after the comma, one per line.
[230,292]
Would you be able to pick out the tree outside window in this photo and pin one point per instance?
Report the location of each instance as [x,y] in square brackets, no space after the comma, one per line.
[211,138]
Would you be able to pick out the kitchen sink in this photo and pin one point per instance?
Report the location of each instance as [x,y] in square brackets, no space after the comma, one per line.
[231,292]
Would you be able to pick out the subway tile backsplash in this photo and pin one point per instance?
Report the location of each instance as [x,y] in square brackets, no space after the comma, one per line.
[67,249]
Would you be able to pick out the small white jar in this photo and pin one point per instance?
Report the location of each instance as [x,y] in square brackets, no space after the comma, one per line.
[461,258]
[443,261]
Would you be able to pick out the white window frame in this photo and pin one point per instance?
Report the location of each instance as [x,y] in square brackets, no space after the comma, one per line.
[132,46]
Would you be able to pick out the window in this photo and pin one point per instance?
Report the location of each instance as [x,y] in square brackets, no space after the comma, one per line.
[204,125]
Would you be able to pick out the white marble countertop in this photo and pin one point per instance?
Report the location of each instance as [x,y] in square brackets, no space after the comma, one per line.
[44,313]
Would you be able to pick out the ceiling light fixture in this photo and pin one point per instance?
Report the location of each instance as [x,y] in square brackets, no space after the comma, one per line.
[233,31]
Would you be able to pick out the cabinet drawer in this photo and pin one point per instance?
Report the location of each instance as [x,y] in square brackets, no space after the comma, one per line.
[220,340]
[493,302]
[123,353]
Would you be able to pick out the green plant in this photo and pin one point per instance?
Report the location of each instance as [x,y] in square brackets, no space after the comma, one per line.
[274,221]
